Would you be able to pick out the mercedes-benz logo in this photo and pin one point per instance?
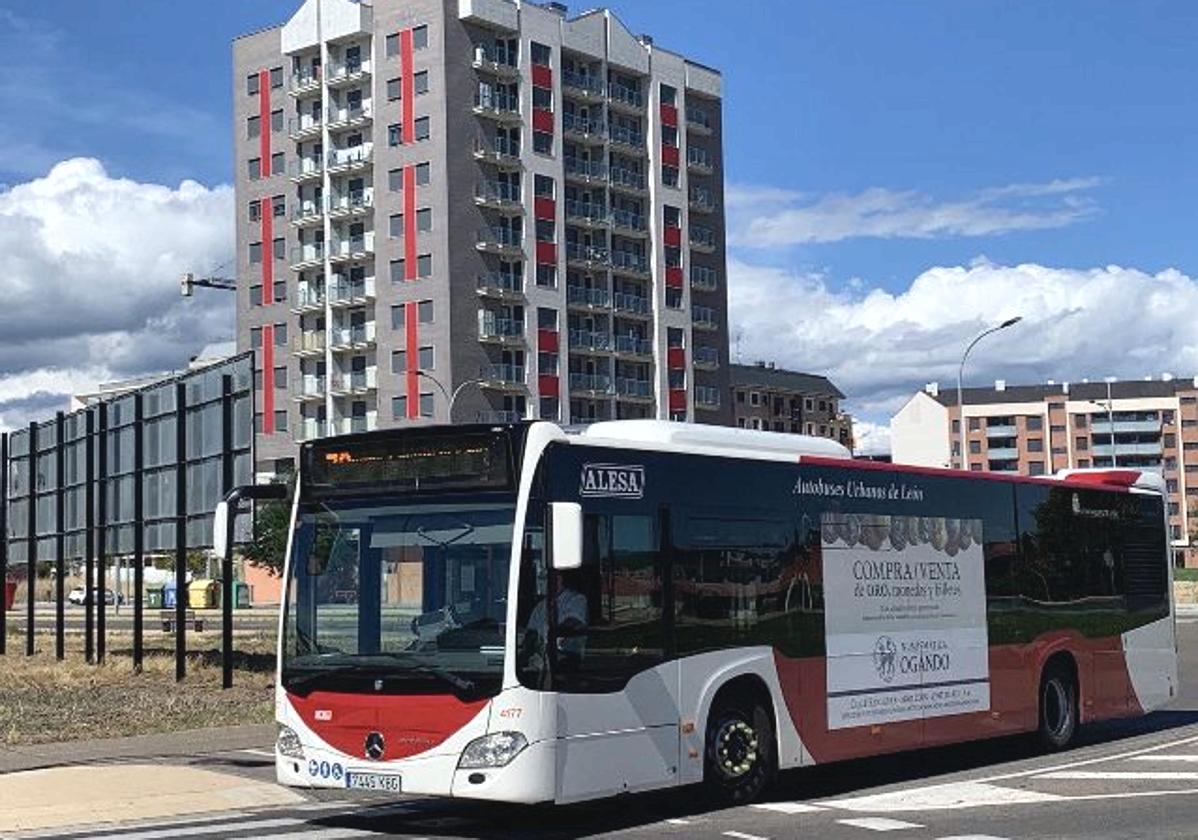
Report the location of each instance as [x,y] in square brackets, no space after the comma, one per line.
[375,746]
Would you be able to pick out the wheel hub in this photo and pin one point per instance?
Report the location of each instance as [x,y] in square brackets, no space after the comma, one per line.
[736,748]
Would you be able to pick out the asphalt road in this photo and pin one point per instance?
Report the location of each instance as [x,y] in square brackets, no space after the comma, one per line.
[1128,779]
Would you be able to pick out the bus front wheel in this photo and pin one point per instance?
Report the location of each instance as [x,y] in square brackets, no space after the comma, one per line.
[741,756]
[1058,707]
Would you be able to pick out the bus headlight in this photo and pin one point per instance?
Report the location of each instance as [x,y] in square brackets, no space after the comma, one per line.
[494,750]
[288,743]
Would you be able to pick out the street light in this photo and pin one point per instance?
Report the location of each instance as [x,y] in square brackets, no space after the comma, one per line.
[1109,405]
[449,398]
[189,281]
[1010,322]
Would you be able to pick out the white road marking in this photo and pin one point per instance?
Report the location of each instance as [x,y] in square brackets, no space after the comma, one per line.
[320,834]
[740,835]
[135,825]
[1088,761]
[194,830]
[972,837]
[1095,775]
[678,821]
[1190,758]
[262,753]
[952,796]
[879,824]
[787,807]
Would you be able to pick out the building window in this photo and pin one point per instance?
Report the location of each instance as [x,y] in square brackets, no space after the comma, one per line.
[426,405]
[1083,464]
[397,271]
[542,98]
[280,335]
[540,54]
[279,249]
[674,298]
[424,265]
[545,230]
[424,219]
[399,408]
[425,359]
[420,37]
[394,134]
[278,163]
[392,45]
[1035,445]
[1170,440]
[1035,467]
[395,180]
[393,90]
[547,276]
[255,253]
[253,127]
[255,337]
[423,172]
[254,168]
[669,176]
[1035,424]
[280,290]
[395,225]
[276,120]
[1056,406]
[422,128]
[255,211]
[399,361]
[974,424]
[420,82]
[424,312]
[543,186]
[1079,421]
[256,295]
[281,421]
[276,77]
[542,143]
[251,84]
[278,206]
[669,136]
[669,95]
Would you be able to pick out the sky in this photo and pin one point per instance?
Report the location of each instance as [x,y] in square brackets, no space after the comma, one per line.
[899,176]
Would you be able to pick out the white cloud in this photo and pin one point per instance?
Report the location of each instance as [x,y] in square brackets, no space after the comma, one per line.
[89,268]
[870,438]
[765,217]
[879,347]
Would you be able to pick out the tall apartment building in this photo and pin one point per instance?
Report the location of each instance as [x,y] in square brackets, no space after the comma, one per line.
[479,202]
[774,399]
[1040,429]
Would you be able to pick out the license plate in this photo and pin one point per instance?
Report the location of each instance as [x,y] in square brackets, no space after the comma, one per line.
[388,782]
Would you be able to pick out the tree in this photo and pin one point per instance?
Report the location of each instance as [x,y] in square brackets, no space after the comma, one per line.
[268,548]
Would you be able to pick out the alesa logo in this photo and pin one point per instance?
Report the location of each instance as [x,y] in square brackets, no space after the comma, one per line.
[612,481]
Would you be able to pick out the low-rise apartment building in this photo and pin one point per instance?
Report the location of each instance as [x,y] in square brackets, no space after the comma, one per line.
[774,399]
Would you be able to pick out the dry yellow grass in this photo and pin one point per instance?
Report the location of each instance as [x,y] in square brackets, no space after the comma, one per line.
[43,700]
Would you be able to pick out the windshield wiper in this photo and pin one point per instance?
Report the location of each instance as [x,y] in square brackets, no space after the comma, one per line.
[305,682]
[460,683]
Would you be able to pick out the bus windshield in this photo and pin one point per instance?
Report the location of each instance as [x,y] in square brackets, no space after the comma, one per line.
[390,595]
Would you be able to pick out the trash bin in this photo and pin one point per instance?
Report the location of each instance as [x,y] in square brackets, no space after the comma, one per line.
[154,600]
[168,595]
[203,594]
[10,594]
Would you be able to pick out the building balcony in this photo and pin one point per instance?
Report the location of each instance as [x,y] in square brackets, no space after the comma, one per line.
[588,340]
[584,86]
[1002,453]
[350,159]
[355,383]
[500,151]
[626,180]
[353,337]
[368,422]
[698,122]
[627,304]
[504,377]
[499,416]
[586,214]
[587,256]
[1005,430]
[498,106]
[304,82]
[304,127]
[345,73]
[307,214]
[308,344]
[497,329]
[499,195]
[1103,427]
[502,63]
[587,298]
[628,223]
[706,358]
[624,98]
[634,347]
[704,318]
[583,130]
[707,396]
[702,239]
[311,388]
[506,242]
[354,203]
[308,298]
[630,263]
[634,389]
[346,116]
[345,292]
[305,169]
[698,160]
[591,384]
[309,428]
[500,285]
[585,171]
[308,255]
[702,201]
[629,140]
[1120,450]
[352,247]
[704,279]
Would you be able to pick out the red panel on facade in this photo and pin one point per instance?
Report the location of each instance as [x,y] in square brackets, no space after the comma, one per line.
[412,349]
[547,341]
[544,208]
[409,223]
[669,155]
[672,236]
[674,279]
[677,399]
[676,358]
[669,115]
[266,211]
[548,385]
[542,120]
[268,379]
[542,76]
[546,253]
[264,120]
[407,85]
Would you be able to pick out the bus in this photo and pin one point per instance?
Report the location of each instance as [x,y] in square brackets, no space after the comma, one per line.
[530,614]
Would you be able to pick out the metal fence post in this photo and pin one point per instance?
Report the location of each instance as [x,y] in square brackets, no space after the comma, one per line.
[31,541]
[180,531]
[60,538]
[101,532]
[226,480]
[4,545]
[139,531]
[89,536]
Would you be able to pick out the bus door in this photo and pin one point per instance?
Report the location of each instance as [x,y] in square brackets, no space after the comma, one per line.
[617,714]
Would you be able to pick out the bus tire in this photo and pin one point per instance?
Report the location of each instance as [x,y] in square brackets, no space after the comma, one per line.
[741,757]
[1058,707]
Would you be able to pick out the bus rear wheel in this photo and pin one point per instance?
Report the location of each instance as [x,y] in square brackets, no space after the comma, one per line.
[741,757]
[1058,708]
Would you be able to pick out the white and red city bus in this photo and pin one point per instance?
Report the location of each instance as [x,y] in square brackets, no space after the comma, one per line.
[524,614]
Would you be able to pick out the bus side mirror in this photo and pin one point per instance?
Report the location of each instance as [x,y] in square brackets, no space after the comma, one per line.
[220,529]
[566,521]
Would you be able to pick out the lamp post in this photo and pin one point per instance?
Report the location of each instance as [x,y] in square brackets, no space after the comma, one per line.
[449,398]
[1010,322]
[1109,405]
